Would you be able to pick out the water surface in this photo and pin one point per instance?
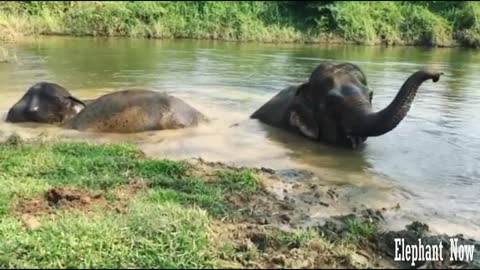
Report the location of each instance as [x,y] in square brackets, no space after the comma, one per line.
[430,164]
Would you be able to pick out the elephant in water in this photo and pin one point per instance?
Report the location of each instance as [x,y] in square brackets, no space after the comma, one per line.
[45,102]
[335,105]
[135,110]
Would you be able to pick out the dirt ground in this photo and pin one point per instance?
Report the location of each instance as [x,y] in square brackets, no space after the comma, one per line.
[287,201]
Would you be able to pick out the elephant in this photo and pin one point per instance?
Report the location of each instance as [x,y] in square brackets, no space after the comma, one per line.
[135,110]
[45,102]
[334,105]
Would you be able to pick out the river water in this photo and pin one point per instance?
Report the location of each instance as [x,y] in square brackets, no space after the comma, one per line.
[430,164]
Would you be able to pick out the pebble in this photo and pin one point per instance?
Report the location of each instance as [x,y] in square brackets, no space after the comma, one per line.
[285,217]
[85,200]
[265,221]
[267,170]
[324,204]
[31,222]
[280,259]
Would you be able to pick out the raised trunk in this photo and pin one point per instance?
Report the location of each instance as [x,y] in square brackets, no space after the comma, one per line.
[379,123]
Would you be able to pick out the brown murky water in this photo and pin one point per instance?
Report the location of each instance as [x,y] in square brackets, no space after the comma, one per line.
[430,164]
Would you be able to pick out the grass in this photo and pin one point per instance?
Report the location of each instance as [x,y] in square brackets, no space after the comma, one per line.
[83,165]
[359,230]
[163,221]
[98,240]
[148,236]
[210,196]
[167,225]
[428,23]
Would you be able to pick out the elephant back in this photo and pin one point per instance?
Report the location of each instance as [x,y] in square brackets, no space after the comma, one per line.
[135,110]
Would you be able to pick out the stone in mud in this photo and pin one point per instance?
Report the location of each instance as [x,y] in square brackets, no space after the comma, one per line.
[323,204]
[285,218]
[359,260]
[267,170]
[55,195]
[373,216]
[30,222]
[279,259]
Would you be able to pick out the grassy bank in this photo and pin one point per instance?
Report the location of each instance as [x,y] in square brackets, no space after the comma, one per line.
[106,206]
[430,23]
[83,205]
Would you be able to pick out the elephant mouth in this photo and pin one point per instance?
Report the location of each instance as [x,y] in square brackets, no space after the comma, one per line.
[349,139]
[355,141]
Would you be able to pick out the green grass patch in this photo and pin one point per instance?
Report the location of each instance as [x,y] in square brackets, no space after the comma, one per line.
[210,196]
[168,225]
[147,236]
[359,230]
[161,233]
[27,169]
[244,181]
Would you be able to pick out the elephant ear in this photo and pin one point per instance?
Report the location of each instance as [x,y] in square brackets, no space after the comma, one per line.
[77,100]
[77,104]
[301,116]
[303,91]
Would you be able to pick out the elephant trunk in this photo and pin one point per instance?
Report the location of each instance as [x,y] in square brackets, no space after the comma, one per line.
[379,123]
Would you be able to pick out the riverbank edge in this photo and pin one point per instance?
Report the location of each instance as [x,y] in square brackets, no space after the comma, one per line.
[318,41]
[258,228]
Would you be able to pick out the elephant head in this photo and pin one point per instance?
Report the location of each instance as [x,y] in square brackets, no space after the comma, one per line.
[45,102]
[335,105]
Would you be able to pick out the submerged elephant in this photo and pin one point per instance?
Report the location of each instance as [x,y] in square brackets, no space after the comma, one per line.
[335,105]
[45,102]
[135,110]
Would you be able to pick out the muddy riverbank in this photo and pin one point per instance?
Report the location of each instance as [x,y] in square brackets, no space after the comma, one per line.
[269,218]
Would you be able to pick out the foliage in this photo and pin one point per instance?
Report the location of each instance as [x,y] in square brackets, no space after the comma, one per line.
[432,23]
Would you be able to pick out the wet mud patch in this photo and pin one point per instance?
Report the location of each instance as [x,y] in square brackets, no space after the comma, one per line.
[260,206]
[289,198]
[75,199]
[366,231]
[267,247]
[60,198]
[119,198]
[384,243]
[287,201]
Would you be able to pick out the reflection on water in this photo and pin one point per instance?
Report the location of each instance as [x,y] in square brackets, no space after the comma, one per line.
[433,156]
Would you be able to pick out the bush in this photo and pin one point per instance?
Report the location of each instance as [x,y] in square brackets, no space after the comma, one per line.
[433,23]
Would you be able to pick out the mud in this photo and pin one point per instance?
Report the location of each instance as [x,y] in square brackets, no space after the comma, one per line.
[288,198]
[381,244]
[60,198]
[75,199]
[257,246]
[384,243]
[292,199]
